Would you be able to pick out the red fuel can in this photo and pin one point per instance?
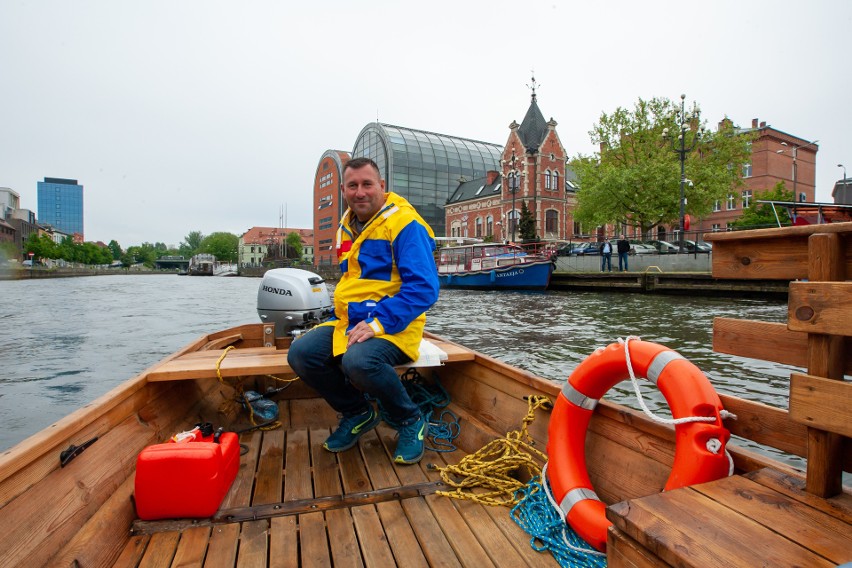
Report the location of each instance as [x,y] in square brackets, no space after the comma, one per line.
[188,479]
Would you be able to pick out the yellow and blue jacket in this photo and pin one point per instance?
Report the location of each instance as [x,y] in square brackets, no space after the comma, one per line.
[388,276]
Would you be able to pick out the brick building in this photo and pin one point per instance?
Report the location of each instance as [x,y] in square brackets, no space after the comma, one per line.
[259,243]
[776,156]
[328,205]
[533,171]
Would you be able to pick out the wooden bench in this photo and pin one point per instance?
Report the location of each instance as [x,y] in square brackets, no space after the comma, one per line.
[262,361]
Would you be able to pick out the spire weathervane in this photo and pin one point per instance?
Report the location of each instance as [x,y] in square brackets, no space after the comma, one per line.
[533,86]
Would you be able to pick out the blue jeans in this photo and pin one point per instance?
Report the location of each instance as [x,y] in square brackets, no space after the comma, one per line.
[622,256]
[606,260]
[365,368]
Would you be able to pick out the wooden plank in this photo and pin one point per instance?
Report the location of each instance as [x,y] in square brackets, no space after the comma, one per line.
[810,528]
[429,530]
[825,404]
[765,425]
[192,547]
[255,361]
[223,342]
[825,471]
[104,537]
[461,538]
[132,553]
[772,253]
[624,552]
[341,532]
[254,536]
[400,534]
[820,307]
[205,368]
[686,528]
[286,546]
[839,506]
[760,340]
[312,413]
[161,550]
[368,526]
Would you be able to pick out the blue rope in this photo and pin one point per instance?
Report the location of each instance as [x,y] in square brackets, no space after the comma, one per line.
[549,532]
[429,398]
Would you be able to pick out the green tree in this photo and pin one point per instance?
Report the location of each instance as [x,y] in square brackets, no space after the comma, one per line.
[635,177]
[41,246]
[294,246]
[115,249]
[222,245]
[760,215]
[191,244]
[526,224]
[145,254]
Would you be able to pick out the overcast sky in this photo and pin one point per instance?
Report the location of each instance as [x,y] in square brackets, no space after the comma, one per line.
[182,115]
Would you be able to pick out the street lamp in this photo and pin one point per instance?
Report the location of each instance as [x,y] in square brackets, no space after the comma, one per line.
[844,173]
[513,187]
[684,122]
[793,152]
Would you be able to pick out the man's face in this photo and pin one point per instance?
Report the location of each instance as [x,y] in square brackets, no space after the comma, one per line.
[363,191]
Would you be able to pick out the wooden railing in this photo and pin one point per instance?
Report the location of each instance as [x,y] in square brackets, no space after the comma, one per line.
[818,261]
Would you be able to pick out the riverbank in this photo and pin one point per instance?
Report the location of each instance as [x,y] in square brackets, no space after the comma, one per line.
[38,273]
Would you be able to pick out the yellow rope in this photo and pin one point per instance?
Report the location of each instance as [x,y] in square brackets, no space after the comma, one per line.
[239,391]
[493,469]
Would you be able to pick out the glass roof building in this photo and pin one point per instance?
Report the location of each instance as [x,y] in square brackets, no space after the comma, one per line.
[423,167]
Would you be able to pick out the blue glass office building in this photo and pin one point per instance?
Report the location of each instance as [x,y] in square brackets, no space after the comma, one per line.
[60,205]
[424,167]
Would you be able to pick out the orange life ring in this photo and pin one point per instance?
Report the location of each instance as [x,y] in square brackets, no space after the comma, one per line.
[688,393]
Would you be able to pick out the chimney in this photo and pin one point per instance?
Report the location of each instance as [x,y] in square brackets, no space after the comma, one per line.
[763,124]
[754,123]
[490,176]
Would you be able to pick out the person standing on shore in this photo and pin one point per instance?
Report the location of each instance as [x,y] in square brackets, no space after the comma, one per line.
[606,255]
[623,248]
[388,281]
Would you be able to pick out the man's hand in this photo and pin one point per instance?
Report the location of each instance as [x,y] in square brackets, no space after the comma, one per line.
[360,333]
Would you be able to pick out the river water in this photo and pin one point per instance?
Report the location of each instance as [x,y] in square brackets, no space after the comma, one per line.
[66,341]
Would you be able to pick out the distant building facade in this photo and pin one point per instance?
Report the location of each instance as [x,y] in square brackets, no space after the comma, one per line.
[328,205]
[60,205]
[775,156]
[269,243]
[533,172]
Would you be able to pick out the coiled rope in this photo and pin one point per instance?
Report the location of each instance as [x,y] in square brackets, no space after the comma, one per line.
[489,476]
[537,514]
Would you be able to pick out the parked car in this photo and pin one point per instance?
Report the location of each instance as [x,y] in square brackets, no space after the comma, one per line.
[664,247]
[641,248]
[693,247]
[586,249]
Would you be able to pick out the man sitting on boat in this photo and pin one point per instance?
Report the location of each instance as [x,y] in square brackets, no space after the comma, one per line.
[388,281]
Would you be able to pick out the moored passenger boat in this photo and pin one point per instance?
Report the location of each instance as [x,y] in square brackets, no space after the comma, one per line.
[496,266]
[66,493]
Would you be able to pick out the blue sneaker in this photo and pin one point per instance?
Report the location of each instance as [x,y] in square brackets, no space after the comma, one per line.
[350,429]
[411,444]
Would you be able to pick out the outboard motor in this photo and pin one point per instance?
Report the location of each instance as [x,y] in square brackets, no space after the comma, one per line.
[294,300]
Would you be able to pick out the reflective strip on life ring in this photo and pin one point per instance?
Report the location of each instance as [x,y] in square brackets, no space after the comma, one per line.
[688,393]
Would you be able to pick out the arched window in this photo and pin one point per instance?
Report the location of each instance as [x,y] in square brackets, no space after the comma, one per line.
[489,226]
[555,185]
[547,179]
[551,221]
[478,227]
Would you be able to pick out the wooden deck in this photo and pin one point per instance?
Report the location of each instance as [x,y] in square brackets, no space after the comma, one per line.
[388,514]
